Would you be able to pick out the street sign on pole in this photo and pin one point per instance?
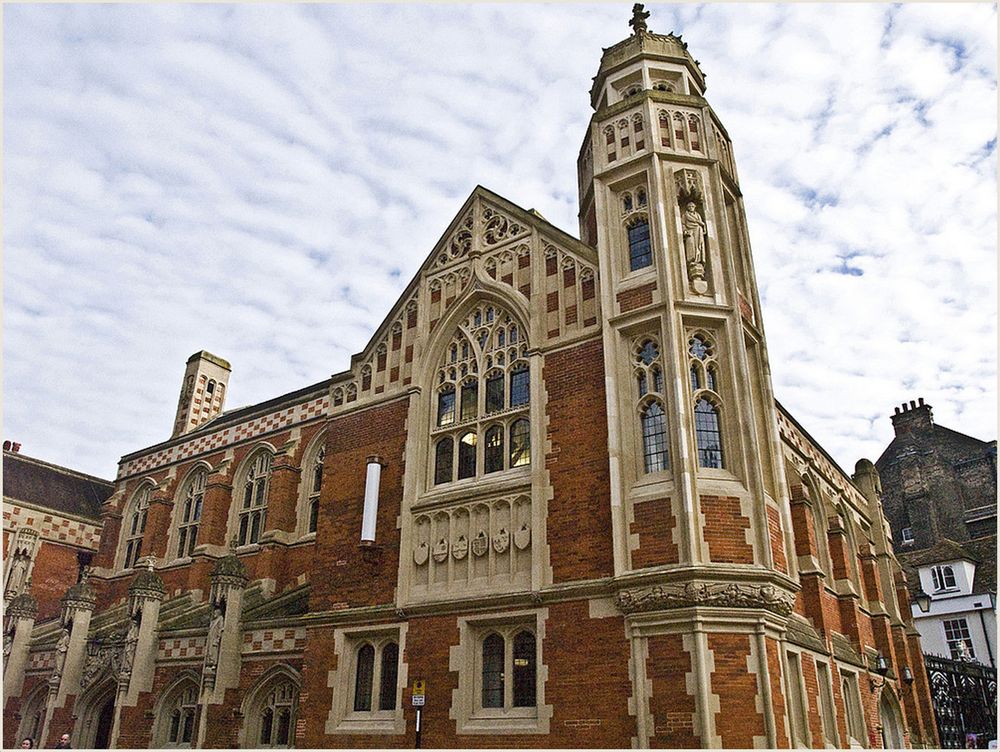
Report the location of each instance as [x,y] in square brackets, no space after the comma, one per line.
[418,697]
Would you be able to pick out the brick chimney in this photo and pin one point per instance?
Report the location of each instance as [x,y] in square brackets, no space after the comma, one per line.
[913,418]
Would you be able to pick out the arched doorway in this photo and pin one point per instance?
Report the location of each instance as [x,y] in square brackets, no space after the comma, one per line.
[891,720]
[96,713]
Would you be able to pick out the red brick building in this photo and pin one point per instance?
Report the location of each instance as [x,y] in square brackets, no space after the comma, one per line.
[555,488]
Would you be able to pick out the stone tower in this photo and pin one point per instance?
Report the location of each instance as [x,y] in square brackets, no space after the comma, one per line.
[698,492]
[203,392]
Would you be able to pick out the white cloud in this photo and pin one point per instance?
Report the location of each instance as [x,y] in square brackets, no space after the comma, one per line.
[262,181]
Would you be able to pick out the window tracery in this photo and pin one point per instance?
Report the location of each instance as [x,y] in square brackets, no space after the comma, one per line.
[482,399]
[648,375]
[253,507]
[274,717]
[705,385]
[180,713]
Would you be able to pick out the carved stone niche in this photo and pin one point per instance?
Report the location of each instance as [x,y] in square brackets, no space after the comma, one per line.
[693,228]
[480,545]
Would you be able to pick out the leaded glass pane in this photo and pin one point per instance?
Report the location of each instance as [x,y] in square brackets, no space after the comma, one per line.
[364,676]
[387,681]
[706,425]
[493,452]
[640,252]
[654,438]
[467,456]
[493,655]
[446,408]
[443,461]
[519,387]
[520,443]
[524,670]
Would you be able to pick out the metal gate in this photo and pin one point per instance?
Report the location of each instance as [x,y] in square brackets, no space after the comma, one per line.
[965,700]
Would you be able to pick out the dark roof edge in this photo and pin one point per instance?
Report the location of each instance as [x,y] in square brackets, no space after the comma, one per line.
[59,468]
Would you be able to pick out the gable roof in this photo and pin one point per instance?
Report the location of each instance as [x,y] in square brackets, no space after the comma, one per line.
[980,551]
[43,484]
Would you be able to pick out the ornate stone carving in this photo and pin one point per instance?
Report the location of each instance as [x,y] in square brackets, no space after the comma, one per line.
[459,244]
[440,551]
[104,656]
[420,553]
[480,544]
[497,227]
[501,540]
[690,197]
[639,16]
[522,537]
[731,595]
[460,548]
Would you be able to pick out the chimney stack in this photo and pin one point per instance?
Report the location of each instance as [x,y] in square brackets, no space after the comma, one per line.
[915,417]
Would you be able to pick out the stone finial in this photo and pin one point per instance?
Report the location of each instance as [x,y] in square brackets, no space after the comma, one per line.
[639,16]
[22,606]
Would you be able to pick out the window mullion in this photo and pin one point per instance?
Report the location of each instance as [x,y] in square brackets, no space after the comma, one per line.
[508,670]
[377,679]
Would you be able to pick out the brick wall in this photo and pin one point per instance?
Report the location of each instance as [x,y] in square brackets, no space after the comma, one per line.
[654,523]
[637,297]
[671,707]
[725,530]
[738,719]
[579,514]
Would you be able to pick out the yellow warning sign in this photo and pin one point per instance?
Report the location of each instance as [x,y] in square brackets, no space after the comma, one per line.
[418,686]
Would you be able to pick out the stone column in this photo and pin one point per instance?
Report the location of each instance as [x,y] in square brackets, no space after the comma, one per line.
[21,612]
[223,645]
[71,649]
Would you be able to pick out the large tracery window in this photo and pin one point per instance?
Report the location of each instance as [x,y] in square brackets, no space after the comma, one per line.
[190,514]
[705,385]
[253,508]
[277,716]
[648,372]
[135,526]
[482,399]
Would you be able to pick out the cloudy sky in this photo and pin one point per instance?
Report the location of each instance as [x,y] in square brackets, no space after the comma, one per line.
[262,182]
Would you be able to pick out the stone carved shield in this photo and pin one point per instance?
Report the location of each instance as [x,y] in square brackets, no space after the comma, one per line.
[522,538]
[420,553]
[440,552]
[460,547]
[480,544]
[501,540]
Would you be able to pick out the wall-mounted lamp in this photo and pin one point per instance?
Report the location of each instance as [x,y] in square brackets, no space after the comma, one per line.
[922,600]
[907,675]
[881,667]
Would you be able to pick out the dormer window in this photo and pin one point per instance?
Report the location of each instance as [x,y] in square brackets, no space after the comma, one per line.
[943,577]
[906,535]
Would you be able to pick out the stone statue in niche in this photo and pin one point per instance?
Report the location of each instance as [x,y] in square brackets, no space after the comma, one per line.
[62,647]
[8,643]
[128,655]
[18,568]
[213,643]
[694,229]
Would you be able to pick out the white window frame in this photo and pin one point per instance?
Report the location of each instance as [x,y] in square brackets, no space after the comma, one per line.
[940,575]
[467,660]
[343,719]
[957,626]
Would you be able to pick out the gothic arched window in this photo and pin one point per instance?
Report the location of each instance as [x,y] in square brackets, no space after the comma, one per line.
[482,399]
[277,716]
[135,526]
[705,385]
[648,373]
[189,516]
[253,499]
[179,714]
[376,673]
[507,669]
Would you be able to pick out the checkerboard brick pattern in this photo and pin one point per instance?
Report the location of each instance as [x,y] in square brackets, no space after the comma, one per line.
[256,427]
[52,527]
[174,648]
[42,660]
[274,640]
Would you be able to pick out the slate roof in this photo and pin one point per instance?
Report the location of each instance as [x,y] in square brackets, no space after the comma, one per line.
[43,484]
[980,551]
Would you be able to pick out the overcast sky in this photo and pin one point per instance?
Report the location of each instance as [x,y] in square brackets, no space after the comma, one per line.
[262,182]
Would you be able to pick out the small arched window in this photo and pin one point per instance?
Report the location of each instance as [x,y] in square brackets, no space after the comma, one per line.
[520,443]
[315,486]
[640,252]
[376,673]
[524,670]
[135,526]
[253,509]
[493,452]
[443,460]
[180,714]
[705,385]
[507,668]
[190,514]
[387,681]
[277,716]
[943,577]
[467,455]
[648,370]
